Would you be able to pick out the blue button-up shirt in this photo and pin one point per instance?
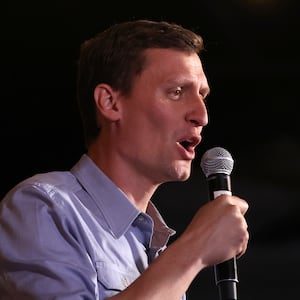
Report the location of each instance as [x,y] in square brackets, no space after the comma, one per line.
[74,235]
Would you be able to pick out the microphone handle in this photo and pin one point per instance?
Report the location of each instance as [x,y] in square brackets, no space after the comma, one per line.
[226,272]
[226,279]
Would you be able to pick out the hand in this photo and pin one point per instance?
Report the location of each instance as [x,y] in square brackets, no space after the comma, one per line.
[218,231]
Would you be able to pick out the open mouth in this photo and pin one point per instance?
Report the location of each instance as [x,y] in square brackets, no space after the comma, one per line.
[190,143]
[186,144]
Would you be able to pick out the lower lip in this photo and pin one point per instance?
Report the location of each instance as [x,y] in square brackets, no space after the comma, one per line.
[186,154]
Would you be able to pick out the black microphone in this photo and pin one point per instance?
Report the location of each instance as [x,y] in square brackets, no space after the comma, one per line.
[217,165]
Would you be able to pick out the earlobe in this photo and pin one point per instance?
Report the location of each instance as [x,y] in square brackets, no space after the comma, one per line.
[106,102]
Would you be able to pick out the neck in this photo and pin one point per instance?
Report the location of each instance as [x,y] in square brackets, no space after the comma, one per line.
[137,187]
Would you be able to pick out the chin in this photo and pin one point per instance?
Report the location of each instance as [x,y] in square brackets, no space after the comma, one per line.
[183,173]
[176,172]
[184,177]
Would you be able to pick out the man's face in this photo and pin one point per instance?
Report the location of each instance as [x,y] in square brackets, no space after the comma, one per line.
[163,116]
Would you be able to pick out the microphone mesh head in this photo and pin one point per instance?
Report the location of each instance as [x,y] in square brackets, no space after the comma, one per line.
[216,160]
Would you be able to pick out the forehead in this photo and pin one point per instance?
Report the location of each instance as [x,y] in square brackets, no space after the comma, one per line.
[154,54]
[168,64]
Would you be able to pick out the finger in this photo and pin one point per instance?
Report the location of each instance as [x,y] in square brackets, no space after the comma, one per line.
[241,203]
[244,246]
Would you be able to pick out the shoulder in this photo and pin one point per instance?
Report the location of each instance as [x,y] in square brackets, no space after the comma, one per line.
[55,180]
[49,186]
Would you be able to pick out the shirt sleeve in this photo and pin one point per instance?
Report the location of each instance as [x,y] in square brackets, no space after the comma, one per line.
[41,255]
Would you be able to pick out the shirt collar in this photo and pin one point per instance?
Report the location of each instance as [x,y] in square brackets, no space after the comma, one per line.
[118,211]
[115,207]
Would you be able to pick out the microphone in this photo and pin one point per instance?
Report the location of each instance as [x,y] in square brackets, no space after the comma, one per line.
[217,165]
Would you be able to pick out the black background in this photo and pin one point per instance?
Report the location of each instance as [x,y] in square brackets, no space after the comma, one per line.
[252,62]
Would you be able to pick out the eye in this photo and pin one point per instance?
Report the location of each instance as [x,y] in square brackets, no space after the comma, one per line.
[176,93]
[203,96]
[204,93]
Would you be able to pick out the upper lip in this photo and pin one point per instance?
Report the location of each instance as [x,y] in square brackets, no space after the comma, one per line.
[190,141]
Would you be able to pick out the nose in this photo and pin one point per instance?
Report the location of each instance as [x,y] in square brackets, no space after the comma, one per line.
[198,115]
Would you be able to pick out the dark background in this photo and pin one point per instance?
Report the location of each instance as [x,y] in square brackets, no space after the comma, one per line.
[252,62]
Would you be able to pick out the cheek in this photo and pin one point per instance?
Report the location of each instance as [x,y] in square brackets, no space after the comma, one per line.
[152,119]
[149,132]
[159,123]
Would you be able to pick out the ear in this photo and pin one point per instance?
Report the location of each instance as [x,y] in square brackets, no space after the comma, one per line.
[106,102]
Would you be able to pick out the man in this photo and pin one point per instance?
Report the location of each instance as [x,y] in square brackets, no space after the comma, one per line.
[93,232]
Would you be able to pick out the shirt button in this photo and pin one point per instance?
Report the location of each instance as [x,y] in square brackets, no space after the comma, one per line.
[141,219]
[125,282]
